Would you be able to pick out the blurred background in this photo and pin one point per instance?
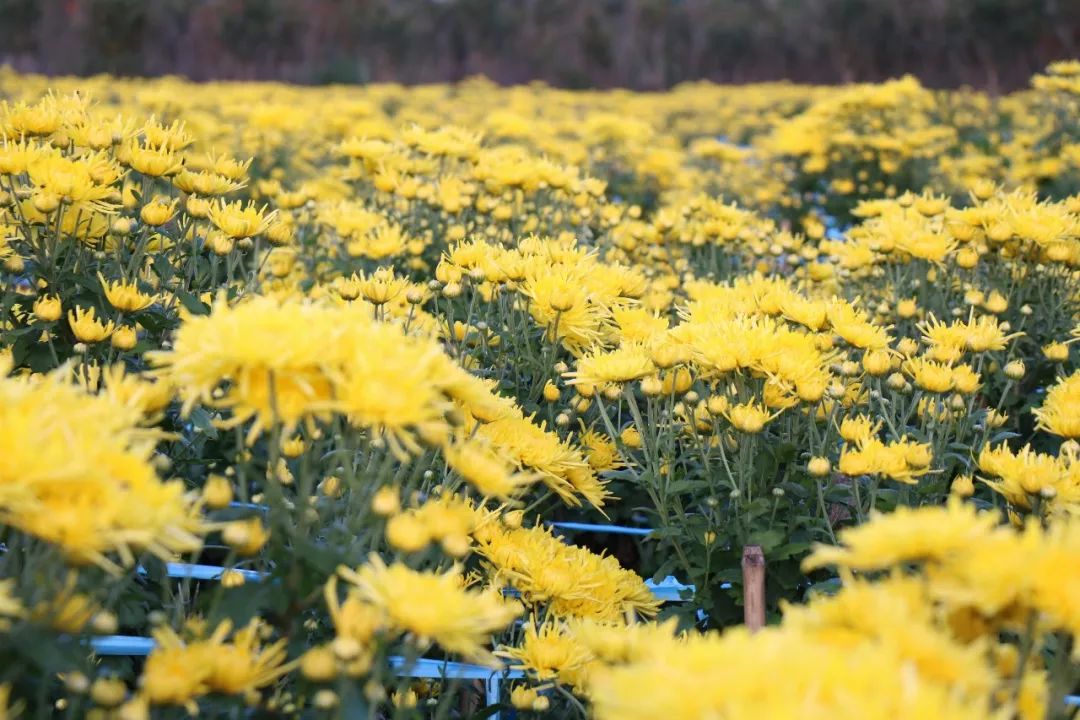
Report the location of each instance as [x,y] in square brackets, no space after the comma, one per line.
[641,44]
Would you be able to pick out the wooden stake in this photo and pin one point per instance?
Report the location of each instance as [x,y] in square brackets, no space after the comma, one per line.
[753,572]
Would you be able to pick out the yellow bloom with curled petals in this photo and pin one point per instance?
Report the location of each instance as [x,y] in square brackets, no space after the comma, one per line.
[623,364]
[551,651]
[75,471]
[574,581]
[901,461]
[907,535]
[432,607]
[748,417]
[125,296]
[1060,412]
[179,672]
[237,220]
[492,474]
[932,376]
[86,326]
[159,161]
[47,308]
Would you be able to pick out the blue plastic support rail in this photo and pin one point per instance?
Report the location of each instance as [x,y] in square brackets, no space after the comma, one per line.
[581,527]
[205,572]
[132,645]
[589,527]
[667,590]
[248,506]
[122,645]
[671,590]
[436,669]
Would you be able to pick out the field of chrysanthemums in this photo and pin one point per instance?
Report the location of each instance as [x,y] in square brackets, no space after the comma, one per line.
[464,401]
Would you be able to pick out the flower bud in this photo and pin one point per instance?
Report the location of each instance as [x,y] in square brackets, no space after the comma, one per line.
[819,466]
[877,362]
[1054,352]
[76,682]
[104,622]
[456,545]
[123,225]
[331,487]
[386,501]
[717,405]
[157,212]
[47,308]
[407,533]
[967,258]
[46,202]
[522,697]
[108,692]
[124,338]
[652,385]
[293,447]
[630,437]
[374,691]
[963,486]
[319,664]
[551,391]
[345,648]
[245,536]
[197,207]
[325,699]
[217,492]
[1014,370]
[232,579]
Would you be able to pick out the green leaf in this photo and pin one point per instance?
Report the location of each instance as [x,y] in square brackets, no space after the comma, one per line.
[786,574]
[682,486]
[22,347]
[887,499]
[193,304]
[785,452]
[789,550]
[162,267]
[664,570]
[489,711]
[323,559]
[838,494]
[767,539]
[89,283]
[201,419]
[155,322]
[19,332]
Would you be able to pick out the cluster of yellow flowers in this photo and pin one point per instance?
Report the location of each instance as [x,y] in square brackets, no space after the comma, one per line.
[301,388]
[962,604]
[78,472]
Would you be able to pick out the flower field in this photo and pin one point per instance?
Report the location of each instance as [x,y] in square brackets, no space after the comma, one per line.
[465,401]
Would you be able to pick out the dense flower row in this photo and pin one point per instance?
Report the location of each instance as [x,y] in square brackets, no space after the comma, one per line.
[361,344]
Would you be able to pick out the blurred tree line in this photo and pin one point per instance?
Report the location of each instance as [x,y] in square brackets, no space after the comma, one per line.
[641,44]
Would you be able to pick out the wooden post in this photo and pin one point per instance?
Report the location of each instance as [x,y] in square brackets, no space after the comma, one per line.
[753,573]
